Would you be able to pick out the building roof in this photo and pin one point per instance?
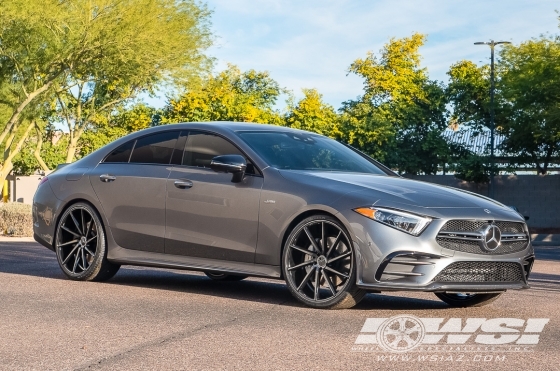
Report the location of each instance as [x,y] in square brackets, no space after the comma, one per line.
[478,142]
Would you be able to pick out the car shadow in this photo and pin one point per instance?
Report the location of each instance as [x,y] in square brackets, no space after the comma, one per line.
[30,259]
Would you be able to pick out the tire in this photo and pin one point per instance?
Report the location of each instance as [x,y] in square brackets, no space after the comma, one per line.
[81,246]
[216,276]
[319,264]
[467,300]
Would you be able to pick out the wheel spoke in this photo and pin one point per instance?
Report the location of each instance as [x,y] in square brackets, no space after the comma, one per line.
[69,231]
[316,294]
[306,278]
[91,239]
[88,230]
[340,257]
[323,238]
[76,223]
[75,263]
[83,224]
[333,246]
[84,262]
[67,243]
[337,272]
[304,251]
[301,265]
[89,252]
[329,283]
[70,254]
[313,242]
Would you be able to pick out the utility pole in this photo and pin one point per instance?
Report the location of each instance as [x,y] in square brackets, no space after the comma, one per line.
[492,44]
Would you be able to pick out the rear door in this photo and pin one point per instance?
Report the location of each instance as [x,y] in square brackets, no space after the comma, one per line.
[131,186]
[211,217]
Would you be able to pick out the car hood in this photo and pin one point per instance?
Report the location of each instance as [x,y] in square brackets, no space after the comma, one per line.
[386,189]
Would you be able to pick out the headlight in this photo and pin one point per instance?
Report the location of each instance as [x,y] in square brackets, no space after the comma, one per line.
[409,223]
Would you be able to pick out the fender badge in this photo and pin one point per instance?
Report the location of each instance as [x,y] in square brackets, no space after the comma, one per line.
[269,201]
[487,211]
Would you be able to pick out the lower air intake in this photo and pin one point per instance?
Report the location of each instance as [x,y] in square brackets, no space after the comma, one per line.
[481,272]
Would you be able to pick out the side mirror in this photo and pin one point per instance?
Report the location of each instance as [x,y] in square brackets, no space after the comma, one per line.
[234,164]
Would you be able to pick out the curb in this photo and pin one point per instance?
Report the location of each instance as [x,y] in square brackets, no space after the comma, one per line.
[16,239]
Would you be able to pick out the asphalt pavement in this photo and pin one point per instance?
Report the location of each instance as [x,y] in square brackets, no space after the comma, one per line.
[161,319]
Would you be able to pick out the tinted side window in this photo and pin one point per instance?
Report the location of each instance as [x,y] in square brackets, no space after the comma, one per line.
[177,157]
[201,148]
[155,148]
[121,154]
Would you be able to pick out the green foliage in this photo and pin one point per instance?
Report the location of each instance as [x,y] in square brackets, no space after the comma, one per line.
[231,95]
[124,121]
[401,115]
[469,93]
[312,114]
[531,84]
[25,163]
[472,168]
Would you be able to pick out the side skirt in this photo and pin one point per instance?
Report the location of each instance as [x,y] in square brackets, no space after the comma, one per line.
[123,256]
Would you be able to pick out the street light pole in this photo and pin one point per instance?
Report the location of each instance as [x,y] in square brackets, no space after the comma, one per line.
[492,44]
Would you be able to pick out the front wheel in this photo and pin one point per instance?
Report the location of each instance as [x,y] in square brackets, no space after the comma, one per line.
[318,263]
[80,245]
[463,300]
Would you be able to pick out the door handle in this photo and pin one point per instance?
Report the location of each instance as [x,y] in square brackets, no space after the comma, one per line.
[107,178]
[183,183]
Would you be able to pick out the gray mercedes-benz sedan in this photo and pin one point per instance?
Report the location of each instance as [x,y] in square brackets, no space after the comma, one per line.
[235,200]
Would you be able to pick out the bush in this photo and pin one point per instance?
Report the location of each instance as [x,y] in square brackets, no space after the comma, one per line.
[16,219]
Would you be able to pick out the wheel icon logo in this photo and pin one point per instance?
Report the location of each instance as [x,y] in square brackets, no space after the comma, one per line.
[400,333]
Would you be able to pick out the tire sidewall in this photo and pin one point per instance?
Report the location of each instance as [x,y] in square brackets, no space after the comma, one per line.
[350,284]
[100,252]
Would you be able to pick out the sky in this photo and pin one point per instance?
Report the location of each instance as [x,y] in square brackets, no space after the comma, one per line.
[311,43]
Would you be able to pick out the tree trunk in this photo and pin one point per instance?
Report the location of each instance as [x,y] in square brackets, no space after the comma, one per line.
[9,155]
[72,146]
[15,115]
[37,152]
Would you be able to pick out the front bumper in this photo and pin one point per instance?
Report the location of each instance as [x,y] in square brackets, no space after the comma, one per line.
[390,260]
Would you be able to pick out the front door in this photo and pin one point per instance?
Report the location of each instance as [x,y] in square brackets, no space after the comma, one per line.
[207,215]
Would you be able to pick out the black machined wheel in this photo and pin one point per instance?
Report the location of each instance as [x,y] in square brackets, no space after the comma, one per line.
[217,276]
[319,264]
[80,245]
[462,300]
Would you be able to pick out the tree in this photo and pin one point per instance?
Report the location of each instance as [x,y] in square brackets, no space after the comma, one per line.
[231,95]
[123,121]
[531,84]
[146,43]
[402,113]
[312,114]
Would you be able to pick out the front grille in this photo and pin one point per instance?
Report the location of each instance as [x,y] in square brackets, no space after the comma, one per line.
[473,247]
[481,272]
[464,225]
[475,225]
[515,242]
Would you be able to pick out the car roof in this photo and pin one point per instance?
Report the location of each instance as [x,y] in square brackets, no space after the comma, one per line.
[226,126]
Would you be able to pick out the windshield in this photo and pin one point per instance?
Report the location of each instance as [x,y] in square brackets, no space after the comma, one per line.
[295,151]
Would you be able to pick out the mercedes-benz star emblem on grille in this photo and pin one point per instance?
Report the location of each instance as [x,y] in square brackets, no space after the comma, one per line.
[492,237]
[487,211]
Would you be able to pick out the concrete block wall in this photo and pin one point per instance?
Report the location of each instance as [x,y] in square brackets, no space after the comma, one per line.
[536,196]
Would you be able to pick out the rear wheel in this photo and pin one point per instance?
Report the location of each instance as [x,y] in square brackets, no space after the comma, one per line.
[216,276]
[80,245]
[462,300]
[318,263]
